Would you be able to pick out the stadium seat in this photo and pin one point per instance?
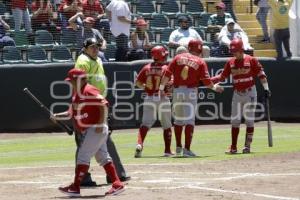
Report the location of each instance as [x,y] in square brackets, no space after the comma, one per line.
[165,35]
[2,8]
[151,36]
[35,54]
[194,6]
[68,38]
[145,7]
[159,21]
[61,54]
[169,7]
[44,39]
[21,38]
[11,55]
[204,19]
[110,52]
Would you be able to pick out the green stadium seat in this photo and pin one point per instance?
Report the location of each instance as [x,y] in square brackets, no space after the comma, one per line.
[61,54]
[204,19]
[36,54]
[110,52]
[159,21]
[11,55]
[145,7]
[68,38]
[21,38]
[44,39]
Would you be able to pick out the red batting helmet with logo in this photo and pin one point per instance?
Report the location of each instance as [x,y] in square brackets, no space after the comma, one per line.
[195,46]
[159,53]
[236,45]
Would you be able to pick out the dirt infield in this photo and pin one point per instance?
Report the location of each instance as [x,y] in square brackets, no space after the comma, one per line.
[267,177]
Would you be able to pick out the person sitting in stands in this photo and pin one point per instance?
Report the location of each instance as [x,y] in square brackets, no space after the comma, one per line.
[139,42]
[229,32]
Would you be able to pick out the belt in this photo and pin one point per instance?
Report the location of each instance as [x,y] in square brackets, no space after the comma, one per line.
[153,95]
[184,86]
[245,90]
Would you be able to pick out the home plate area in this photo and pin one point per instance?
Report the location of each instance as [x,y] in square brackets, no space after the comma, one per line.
[268,177]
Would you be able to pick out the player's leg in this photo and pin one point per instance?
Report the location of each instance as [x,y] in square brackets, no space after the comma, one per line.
[249,115]
[164,114]
[189,111]
[236,116]
[178,100]
[112,150]
[149,116]
[90,145]
[103,158]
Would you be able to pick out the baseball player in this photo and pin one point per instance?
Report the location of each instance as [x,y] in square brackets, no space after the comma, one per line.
[149,79]
[244,69]
[188,70]
[92,65]
[89,113]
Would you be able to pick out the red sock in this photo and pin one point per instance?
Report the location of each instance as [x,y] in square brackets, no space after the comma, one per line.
[142,134]
[168,139]
[189,129]
[112,174]
[80,172]
[234,136]
[178,132]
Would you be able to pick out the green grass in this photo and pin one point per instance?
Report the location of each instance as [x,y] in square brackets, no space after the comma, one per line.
[209,144]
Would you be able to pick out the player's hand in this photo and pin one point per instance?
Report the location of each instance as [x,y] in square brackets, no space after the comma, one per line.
[219,88]
[267,93]
[162,93]
[53,118]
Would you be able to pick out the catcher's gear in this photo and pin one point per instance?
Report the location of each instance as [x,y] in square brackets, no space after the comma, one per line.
[159,53]
[236,45]
[195,46]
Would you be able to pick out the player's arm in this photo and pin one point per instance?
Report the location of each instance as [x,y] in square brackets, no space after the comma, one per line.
[259,72]
[102,118]
[206,80]
[141,79]
[167,75]
[140,84]
[221,77]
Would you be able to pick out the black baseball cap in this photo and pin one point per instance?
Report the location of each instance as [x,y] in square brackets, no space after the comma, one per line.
[183,18]
[90,41]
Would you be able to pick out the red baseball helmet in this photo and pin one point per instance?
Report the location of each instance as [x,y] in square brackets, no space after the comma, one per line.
[159,53]
[195,46]
[236,45]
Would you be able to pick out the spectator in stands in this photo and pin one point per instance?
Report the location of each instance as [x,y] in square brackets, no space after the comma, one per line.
[119,16]
[217,21]
[229,8]
[85,30]
[67,9]
[280,24]
[4,39]
[182,36]
[21,14]
[139,42]
[42,17]
[261,16]
[231,31]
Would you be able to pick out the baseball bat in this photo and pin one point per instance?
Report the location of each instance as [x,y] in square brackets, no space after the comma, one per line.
[46,110]
[270,134]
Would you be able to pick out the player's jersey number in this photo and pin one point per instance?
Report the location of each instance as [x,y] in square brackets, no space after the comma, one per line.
[152,82]
[184,72]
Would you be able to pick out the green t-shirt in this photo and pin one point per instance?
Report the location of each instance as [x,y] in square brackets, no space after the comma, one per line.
[95,71]
[217,20]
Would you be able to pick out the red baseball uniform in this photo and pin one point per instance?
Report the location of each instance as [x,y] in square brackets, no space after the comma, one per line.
[188,70]
[243,72]
[151,75]
[89,114]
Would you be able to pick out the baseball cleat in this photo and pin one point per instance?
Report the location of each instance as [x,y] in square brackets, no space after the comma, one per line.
[115,190]
[231,150]
[188,153]
[178,151]
[71,190]
[168,154]
[138,151]
[246,150]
